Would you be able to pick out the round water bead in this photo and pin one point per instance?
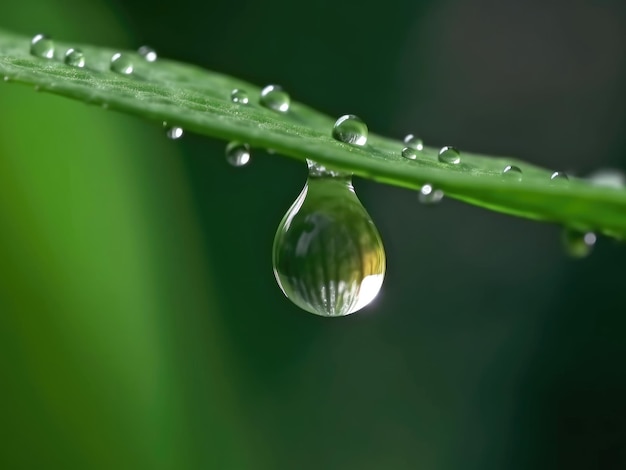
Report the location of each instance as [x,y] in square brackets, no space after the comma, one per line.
[174,132]
[413,142]
[147,53]
[449,155]
[328,256]
[578,244]
[237,154]
[512,172]
[275,98]
[42,46]
[121,63]
[559,177]
[410,153]
[239,96]
[351,130]
[75,58]
[430,195]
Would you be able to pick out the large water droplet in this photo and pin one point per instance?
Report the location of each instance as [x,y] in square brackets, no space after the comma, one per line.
[42,46]
[413,142]
[147,53]
[275,98]
[350,129]
[449,155]
[121,63]
[239,96]
[430,195]
[559,177]
[578,244]
[328,256]
[512,172]
[237,153]
[75,58]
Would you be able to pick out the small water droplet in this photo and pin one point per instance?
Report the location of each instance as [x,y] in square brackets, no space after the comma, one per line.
[430,195]
[239,96]
[174,132]
[7,78]
[328,256]
[578,244]
[351,130]
[42,46]
[410,153]
[413,142]
[449,155]
[75,58]
[237,153]
[559,177]
[275,98]
[147,53]
[121,63]
[512,172]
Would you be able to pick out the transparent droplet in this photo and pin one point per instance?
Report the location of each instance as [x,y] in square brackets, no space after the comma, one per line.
[42,46]
[410,153]
[239,96]
[608,178]
[578,244]
[350,129]
[275,98]
[7,78]
[328,256]
[512,172]
[147,53]
[413,142]
[430,195]
[559,177]
[75,58]
[449,155]
[121,63]
[237,153]
[174,132]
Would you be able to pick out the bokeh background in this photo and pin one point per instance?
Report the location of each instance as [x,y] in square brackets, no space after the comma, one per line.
[140,323]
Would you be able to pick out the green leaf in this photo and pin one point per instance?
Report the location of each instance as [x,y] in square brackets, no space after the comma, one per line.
[199,101]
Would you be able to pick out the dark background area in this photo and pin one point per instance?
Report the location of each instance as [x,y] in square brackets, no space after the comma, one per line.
[487,348]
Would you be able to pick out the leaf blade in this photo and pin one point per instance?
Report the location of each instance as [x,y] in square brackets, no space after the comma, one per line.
[199,101]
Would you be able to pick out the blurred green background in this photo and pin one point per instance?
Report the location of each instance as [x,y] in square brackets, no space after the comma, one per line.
[140,323]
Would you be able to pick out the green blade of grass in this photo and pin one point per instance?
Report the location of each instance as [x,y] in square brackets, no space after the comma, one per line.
[199,101]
